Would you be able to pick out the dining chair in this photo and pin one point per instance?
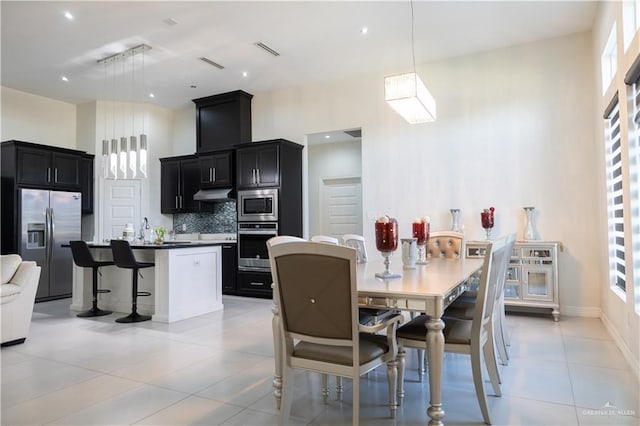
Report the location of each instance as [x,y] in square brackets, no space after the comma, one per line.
[316,289]
[472,337]
[464,306]
[447,244]
[357,242]
[325,239]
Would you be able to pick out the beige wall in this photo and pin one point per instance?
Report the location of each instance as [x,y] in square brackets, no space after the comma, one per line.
[510,133]
[33,118]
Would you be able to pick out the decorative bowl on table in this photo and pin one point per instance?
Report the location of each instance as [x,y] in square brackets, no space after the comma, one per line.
[420,230]
[386,242]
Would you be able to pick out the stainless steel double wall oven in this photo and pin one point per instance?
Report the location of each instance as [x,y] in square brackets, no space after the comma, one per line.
[257,223]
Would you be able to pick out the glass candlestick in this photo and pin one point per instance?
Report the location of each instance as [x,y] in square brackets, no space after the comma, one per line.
[420,231]
[486,217]
[386,242]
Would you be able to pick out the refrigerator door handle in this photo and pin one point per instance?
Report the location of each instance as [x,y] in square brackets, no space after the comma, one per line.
[47,233]
[52,223]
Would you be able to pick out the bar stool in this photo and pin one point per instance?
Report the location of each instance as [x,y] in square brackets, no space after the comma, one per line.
[82,257]
[124,258]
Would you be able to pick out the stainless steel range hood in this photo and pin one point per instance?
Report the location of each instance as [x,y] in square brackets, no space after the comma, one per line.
[213,195]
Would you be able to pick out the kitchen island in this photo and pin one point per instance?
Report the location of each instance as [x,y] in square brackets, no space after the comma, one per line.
[185,282]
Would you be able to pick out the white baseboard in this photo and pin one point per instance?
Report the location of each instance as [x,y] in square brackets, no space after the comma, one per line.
[581,311]
[620,343]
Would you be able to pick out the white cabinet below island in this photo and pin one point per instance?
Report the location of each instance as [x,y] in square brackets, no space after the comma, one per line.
[185,282]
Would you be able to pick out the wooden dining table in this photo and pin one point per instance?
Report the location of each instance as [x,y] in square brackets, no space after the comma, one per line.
[428,288]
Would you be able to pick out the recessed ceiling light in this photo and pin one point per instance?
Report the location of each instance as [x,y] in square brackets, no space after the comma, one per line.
[245,74]
[364,30]
[64,78]
[151,95]
[68,15]
[327,136]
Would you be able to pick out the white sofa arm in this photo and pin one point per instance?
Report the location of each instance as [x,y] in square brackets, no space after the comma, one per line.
[18,307]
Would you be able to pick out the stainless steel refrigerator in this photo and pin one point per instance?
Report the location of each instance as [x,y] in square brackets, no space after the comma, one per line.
[49,219]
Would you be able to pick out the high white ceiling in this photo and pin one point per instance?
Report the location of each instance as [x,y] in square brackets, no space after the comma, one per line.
[317,41]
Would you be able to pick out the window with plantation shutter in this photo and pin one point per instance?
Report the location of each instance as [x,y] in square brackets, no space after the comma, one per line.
[633,80]
[615,200]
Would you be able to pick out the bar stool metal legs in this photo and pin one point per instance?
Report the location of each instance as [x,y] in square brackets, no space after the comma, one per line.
[95,311]
[134,316]
[124,258]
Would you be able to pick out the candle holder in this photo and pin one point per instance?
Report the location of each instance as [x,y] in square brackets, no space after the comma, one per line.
[387,243]
[486,217]
[421,228]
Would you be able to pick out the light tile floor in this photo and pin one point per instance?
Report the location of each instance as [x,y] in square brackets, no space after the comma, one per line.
[217,369]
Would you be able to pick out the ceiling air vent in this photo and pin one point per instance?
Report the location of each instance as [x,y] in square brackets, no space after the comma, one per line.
[267,48]
[357,133]
[210,62]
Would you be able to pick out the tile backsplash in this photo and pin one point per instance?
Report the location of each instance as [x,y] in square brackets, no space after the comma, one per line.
[214,218]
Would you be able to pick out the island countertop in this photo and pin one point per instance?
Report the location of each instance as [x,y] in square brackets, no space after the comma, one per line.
[164,246]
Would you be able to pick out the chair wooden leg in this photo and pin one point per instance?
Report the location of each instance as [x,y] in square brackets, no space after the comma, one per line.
[421,364]
[287,395]
[401,366]
[356,399]
[476,368]
[325,387]
[339,388]
[392,378]
[492,366]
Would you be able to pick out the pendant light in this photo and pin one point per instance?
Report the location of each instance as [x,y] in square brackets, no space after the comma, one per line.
[143,137]
[407,94]
[124,148]
[113,157]
[126,156]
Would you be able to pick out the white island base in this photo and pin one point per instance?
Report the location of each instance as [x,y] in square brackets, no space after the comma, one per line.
[185,282]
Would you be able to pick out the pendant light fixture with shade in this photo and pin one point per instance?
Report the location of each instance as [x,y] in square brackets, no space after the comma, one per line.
[407,94]
[125,158]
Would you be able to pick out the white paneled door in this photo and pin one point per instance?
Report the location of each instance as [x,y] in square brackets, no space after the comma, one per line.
[341,201]
[121,206]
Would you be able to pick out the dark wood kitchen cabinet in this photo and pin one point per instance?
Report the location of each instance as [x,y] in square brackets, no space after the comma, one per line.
[179,181]
[86,183]
[254,284]
[43,166]
[217,170]
[229,266]
[258,166]
[223,120]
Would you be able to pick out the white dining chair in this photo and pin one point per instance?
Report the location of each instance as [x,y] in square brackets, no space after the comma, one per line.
[472,337]
[325,239]
[317,294]
[357,242]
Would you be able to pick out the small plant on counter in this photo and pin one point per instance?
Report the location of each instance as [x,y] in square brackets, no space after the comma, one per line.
[159,231]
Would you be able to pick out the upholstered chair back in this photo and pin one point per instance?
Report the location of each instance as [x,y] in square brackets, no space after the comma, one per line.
[447,244]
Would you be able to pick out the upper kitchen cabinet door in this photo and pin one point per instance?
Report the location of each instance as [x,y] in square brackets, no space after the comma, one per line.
[216,170]
[169,186]
[86,183]
[246,168]
[268,166]
[66,170]
[222,121]
[34,167]
[190,184]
